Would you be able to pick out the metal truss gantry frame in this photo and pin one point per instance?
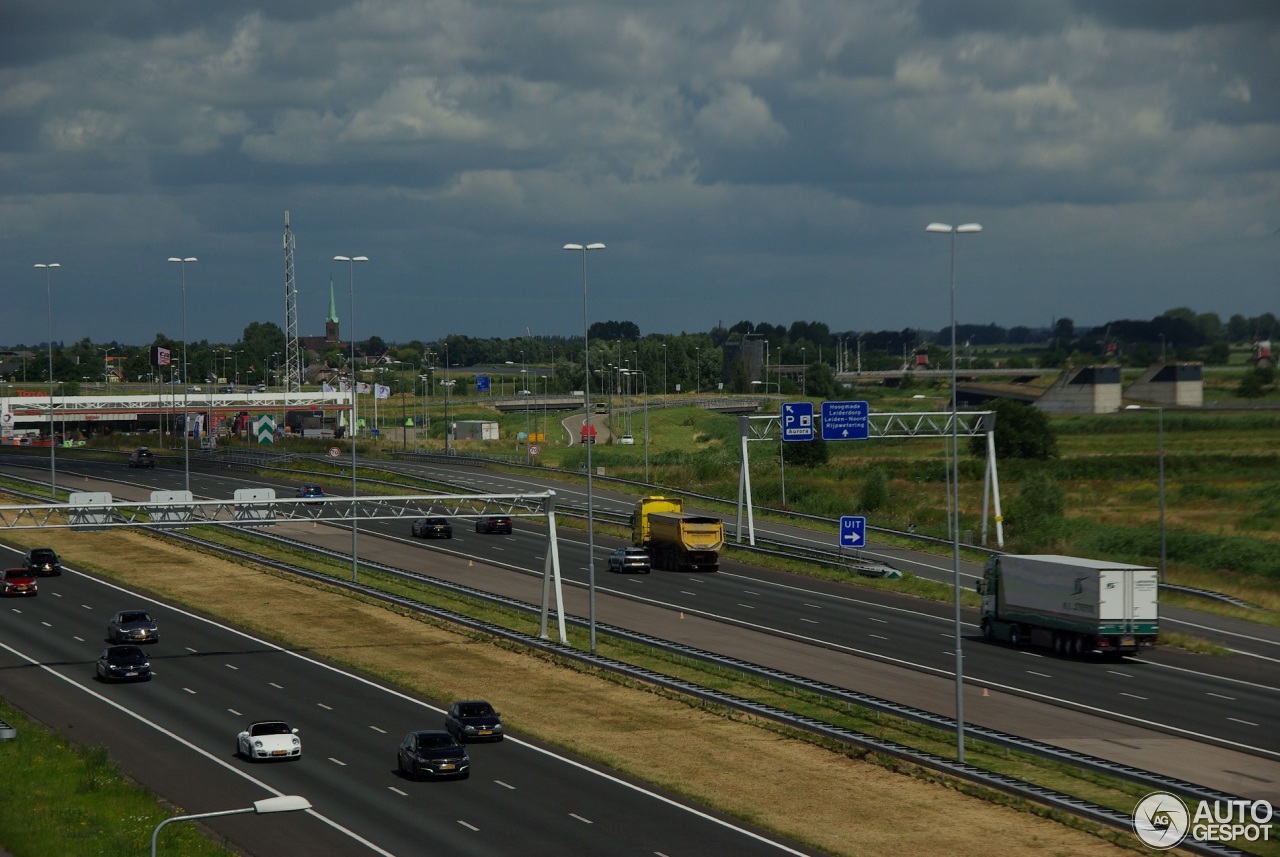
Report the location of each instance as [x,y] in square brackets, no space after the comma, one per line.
[259,507]
[888,425]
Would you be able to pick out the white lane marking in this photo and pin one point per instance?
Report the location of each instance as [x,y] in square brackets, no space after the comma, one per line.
[56,594]
[189,649]
[77,639]
[236,713]
[46,624]
[877,636]
[337,761]
[748,606]
[505,785]
[231,666]
[276,686]
[881,621]
[1042,675]
[1221,631]
[468,826]
[217,760]
[687,592]
[814,606]
[749,592]
[1210,675]
[580,818]
[376,729]
[397,791]
[1245,722]
[1122,675]
[86,606]
[1133,696]
[1221,696]
[325,707]
[810,621]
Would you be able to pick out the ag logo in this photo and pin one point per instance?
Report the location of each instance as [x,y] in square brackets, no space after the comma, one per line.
[1161,820]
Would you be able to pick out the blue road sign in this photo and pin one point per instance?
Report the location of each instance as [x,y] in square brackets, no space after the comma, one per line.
[482,383]
[797,420]
[853,531]
[845,421]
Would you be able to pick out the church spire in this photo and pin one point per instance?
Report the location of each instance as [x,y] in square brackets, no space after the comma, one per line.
[333,307]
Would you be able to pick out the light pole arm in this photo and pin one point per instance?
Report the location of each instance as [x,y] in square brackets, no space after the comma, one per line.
[161,825]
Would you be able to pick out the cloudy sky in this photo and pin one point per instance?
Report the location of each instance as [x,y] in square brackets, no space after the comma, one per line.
[743,160]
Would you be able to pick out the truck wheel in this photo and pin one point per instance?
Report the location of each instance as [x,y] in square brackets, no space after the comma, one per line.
[986,629]
[1077,646]
[1015,637]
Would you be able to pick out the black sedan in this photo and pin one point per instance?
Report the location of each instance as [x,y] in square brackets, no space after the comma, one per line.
[42,562]
[473,720]
[432,528]
[123,663]
[133,626]
[494,524]
[432,754]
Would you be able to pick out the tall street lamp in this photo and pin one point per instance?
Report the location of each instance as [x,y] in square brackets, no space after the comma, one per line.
[281,803]
[953,231]
[586,399]
[351,287]
[645,379]
[53,467]
[664,370]
[1160,434]
[186,413]
[697,371]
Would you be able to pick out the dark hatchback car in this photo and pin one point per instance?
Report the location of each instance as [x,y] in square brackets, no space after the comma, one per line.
[432,754]
[42,562]
[432,528]
[133,626]
[123,663]
[310,492]
[630,559]
[142,457]
[473,720]
[494,524]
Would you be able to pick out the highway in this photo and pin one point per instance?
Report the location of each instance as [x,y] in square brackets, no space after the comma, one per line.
[177,732]
[745,612]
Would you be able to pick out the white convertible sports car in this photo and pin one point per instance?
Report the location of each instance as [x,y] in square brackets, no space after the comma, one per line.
[269,739]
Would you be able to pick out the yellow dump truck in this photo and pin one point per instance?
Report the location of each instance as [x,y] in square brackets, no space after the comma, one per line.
[676,541]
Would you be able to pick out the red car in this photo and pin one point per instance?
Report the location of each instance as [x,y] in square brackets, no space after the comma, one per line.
[18,581]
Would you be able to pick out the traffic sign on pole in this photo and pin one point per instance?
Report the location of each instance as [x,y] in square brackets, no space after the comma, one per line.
[797,420]
[845,421]
[853,531]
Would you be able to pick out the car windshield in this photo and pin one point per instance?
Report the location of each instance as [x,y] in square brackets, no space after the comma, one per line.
[270,729]
[475,709]
[135,616]
[43,554]
[15,573]
[435,740]
[120,653]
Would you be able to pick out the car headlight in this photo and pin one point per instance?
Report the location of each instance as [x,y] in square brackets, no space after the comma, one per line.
[469,728]
[296,742]
[258,744]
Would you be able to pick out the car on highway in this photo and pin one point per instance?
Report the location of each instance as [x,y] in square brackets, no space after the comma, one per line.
[269,739]
[627,440]
[494,524]
[431,528]
[432,754]
[123,663]
[18,582]
[133,626]
[473,720]
[310,491]
[630,559]
[262,388]
[42,562]
[142,457]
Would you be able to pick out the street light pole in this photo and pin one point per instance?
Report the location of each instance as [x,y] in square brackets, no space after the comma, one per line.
[186,380]
[589,442]
[963,229]
[53,467]
[351,287]
[282,803]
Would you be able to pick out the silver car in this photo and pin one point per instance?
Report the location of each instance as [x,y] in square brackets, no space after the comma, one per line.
[133,626]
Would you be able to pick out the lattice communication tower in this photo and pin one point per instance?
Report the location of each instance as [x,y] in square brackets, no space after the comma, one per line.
[293,353]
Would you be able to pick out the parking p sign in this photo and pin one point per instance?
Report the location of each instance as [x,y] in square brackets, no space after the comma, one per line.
[797,420]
